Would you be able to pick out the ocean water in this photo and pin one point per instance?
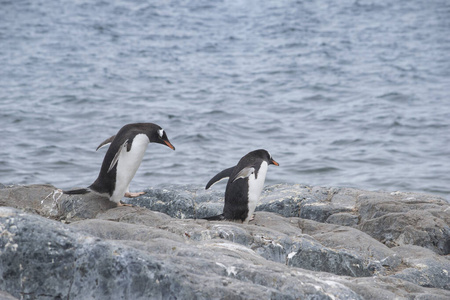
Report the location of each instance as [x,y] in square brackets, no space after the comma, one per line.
[342,93]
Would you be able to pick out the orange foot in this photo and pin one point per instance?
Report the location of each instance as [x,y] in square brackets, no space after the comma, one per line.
[133,195]
[124,204]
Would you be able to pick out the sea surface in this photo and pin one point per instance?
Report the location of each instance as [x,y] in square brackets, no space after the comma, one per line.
[341,93]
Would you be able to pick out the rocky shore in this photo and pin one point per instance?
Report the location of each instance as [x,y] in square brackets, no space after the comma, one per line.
[305,243]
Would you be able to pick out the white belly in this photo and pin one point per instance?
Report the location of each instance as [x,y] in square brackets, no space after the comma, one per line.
[255,187]
[127,165]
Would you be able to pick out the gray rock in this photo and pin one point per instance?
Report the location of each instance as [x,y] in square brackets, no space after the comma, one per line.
[344,219]
[33,198]
[62,262]
[382,215]
[314,203]
[415,227]
[372,255]
[283,242]
[424,267]
[283,199]
[182,202]
[50,202]
[392,218]
[314,256]
[338,243]
[4,295]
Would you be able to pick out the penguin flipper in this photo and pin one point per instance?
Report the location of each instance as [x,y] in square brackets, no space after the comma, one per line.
[77,192]
[244,173]
[222,175]
[220,217]
[116,157]
[106,142]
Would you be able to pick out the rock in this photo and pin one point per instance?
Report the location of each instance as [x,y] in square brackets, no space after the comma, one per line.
[344,219]
[78,265]
[380,214]
[65,261]
[182,202]
[332,241]
[424,267]
[5,295]
[416,227]
[50,202]
[33,198]
[367,253]
[312,255]
[392,218]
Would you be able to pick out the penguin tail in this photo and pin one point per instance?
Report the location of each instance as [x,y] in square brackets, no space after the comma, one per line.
[220,217]
[77,192]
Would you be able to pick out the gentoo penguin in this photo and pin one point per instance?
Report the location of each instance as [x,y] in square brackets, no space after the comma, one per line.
[245,183]
[123,158]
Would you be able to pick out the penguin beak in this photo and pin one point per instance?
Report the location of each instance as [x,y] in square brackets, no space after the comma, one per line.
[169,144]
[274,162]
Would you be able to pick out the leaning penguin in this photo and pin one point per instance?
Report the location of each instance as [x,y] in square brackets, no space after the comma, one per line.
[122,160]
[245,183]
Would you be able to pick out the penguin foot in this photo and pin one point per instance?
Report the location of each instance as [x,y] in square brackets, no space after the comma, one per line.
[123,204]
[252,218]
[133,195]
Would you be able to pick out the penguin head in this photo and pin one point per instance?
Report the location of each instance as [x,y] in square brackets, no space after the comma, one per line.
[265,155]
[158,135]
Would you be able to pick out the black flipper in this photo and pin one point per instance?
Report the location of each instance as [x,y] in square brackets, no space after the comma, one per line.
[106,142]
[220,217]
[222,175]
[77,192]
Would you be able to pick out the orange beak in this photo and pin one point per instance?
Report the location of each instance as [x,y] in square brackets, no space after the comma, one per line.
[275,163]
[169,145]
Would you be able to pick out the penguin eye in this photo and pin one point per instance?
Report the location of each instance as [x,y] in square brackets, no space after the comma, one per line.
[161,133]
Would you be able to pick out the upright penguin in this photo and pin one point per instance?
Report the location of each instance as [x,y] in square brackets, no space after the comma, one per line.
[123,158]
[245,184]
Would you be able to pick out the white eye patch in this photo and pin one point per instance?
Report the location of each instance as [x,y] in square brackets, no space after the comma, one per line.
[161,133]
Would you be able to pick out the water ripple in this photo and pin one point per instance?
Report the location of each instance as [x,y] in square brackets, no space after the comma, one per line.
[350,93]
